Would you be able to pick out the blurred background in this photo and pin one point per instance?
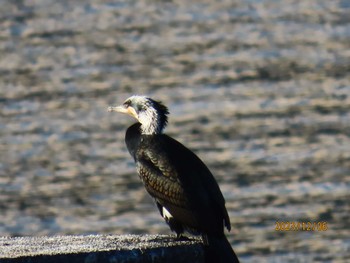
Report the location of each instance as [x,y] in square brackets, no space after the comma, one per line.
[260,90]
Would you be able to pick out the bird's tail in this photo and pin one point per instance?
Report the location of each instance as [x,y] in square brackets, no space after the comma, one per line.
[218,249]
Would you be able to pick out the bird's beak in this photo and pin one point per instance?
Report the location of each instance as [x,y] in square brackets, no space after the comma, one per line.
[129,110]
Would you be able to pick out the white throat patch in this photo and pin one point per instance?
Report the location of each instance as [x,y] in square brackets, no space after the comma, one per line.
[149,121]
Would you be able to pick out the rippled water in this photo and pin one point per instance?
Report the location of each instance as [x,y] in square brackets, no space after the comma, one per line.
[260,90]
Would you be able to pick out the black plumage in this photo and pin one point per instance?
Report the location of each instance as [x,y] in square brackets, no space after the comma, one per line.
[185,191]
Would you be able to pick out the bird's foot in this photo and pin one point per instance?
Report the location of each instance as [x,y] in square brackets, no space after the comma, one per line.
[181,237]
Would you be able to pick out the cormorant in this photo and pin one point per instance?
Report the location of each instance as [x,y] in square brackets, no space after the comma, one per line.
[185,191]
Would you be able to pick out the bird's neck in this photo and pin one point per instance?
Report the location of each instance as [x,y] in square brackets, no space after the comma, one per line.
[151,123]
[150,128]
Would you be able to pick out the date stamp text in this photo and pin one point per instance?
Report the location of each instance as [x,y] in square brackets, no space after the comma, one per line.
[301,226]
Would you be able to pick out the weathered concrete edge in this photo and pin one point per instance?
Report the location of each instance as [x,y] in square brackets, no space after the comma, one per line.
[100,248]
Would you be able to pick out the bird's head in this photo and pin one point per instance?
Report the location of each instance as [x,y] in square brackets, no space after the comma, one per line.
[150,113]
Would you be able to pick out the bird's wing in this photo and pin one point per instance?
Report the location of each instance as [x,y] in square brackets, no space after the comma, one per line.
[198,182]
[159,177]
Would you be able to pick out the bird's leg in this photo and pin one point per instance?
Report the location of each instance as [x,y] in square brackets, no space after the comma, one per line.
[205,240]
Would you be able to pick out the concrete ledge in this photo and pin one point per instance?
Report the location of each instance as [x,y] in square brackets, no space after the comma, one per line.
[100,248]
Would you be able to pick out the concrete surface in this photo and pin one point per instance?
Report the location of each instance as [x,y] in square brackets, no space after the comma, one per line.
[100,248]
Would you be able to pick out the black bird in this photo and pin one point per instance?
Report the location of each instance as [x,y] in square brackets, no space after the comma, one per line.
[185,191]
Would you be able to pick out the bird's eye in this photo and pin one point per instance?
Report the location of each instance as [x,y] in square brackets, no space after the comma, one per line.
[127,103]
